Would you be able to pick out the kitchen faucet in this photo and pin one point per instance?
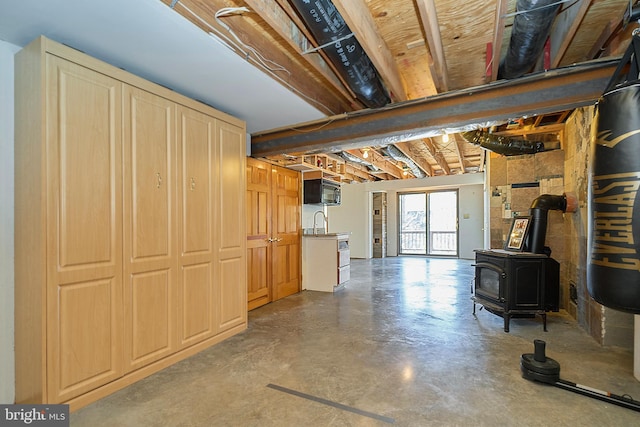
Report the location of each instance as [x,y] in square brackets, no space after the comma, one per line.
[315,231]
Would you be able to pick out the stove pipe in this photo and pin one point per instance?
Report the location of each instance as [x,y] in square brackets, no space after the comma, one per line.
[538,211]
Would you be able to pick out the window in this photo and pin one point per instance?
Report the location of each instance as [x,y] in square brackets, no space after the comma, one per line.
[428,223]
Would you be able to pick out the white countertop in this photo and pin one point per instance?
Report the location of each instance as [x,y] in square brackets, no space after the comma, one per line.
[340,235]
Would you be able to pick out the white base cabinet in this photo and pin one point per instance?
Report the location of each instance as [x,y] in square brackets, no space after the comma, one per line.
[325,261]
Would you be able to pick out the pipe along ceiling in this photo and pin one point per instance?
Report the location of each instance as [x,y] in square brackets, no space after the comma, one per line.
[332,33]
[531,28]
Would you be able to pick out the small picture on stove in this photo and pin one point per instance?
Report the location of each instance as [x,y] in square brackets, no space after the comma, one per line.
[518,233]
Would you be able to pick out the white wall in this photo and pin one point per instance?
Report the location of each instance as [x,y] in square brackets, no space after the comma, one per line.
[7,370]
[354,214]
[308,212]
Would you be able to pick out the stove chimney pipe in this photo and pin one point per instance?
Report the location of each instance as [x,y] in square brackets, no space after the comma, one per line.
[539,211]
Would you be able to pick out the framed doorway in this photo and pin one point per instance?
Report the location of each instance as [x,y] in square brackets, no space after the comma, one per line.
[428,223]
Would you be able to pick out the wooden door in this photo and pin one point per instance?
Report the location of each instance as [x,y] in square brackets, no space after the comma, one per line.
[231,282]
[286,232]
[149,231]
[197,258]
[258,232]
[84,230]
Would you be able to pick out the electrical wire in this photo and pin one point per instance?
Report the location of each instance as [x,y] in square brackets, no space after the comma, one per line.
[238,44]
[213,29]
[508,15]
[266,63]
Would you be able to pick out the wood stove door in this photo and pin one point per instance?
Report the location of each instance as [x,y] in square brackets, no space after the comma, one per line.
[526,281]
[490,282]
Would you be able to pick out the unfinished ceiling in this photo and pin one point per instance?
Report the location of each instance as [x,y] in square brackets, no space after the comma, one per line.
[420,50]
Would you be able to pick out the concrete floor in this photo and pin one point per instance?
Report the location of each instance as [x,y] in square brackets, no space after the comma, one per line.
[398,345]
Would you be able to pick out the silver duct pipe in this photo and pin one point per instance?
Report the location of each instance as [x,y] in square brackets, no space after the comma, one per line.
[531,28]
[398,155]
[351,158]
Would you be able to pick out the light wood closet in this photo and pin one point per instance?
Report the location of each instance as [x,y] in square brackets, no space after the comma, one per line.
[273,232]
[130,244]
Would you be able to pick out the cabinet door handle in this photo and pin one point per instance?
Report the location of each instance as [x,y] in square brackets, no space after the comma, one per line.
[159,180]
[193,183]
[279,239]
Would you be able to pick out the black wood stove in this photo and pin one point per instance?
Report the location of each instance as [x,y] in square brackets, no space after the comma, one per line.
[516,284]
[521,280]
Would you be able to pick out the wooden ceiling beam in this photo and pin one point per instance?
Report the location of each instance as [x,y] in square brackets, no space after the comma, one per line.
[281,23]
[554,128]
[542,93]
[564,29]
[600,42]
[498,34]
[359,171]
[437,155]
[357,16]
[378,161]
[431,28]
[247,28]
[459,152]
[407,150]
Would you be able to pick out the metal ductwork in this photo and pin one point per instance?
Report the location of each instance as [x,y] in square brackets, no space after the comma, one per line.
[355,159]
[539,212]
[331,32]
[398,155]
[531,28]
[502,144]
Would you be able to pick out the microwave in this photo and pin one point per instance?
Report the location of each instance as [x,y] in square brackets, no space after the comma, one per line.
[321,192]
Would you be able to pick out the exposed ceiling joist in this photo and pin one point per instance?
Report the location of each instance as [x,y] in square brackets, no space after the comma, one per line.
[299,75]
[358,173]
[437,155]
[554,128]
[407,149]
[459,152]
[494,60]
[430,25]
[556,90]
[564,29]
[378,161]
[357,16]
[281,23]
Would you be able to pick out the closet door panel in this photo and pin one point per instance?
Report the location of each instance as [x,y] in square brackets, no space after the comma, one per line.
[197,147]
[230,231]
[232,294]
[150,296]
[149,313]
[84,265]
[197,294]
[196,218]
[150,146]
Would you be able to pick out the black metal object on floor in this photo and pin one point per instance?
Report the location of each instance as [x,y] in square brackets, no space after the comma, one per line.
[538,367]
